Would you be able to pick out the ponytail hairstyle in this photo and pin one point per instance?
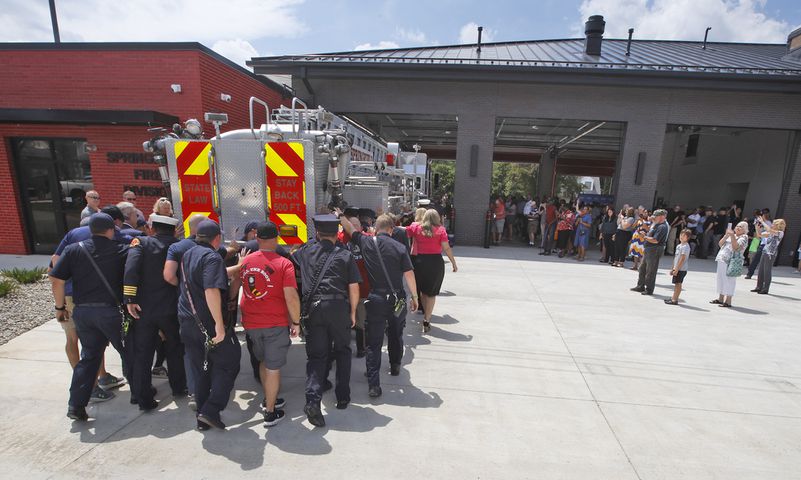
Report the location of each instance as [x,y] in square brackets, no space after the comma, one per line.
[418,214]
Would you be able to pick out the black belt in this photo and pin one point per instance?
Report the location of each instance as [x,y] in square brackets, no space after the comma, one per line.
[95,305]
[333,296]
[388,293]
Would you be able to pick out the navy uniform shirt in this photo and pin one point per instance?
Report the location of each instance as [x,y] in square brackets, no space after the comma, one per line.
[74,265]
[79,234]
[340,274]
[131,231]
[204,269]
[396,260]
[177,250]
[144,280]
[399,235]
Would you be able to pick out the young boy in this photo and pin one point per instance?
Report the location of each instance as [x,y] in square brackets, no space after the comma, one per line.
[680,261]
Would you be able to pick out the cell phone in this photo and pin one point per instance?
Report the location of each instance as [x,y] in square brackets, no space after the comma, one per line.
[728,227]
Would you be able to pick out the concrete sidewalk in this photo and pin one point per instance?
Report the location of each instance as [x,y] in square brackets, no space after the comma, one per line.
[535,367]
[23,261]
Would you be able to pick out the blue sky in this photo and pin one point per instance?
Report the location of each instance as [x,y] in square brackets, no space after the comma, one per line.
[240,29]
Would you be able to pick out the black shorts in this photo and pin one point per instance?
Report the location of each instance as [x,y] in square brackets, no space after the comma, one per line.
[679,277]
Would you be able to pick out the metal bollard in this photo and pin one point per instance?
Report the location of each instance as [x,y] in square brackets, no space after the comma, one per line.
[488,229]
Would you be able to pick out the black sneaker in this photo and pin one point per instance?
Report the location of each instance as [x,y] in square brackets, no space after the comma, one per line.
[637,289]
[314,415]
[77,413]
[202,427]
[211,422]
[646,292]
[374,392]
[279,403]
[100,395]
[342,404]
[272,418]
[147,408]
[394,369]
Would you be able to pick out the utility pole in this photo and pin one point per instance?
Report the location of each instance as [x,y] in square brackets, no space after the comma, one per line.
[54,20]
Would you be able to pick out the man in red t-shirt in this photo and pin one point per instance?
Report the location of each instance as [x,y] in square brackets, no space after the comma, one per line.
[364,286]
[269,299]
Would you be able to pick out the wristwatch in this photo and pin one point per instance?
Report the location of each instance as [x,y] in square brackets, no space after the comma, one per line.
[61,309]
[296,324]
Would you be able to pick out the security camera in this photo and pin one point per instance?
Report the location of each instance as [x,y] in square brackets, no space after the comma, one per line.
[225,97]
[176,88]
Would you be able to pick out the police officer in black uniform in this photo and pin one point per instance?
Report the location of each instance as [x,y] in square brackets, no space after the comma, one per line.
[386,305]
[329,307]
[154,303]
[96,314]
[211,345]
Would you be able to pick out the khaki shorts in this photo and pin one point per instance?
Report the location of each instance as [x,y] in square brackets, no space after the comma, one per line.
[68,325]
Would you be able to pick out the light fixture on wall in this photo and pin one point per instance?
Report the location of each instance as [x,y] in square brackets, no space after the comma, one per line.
[175,87]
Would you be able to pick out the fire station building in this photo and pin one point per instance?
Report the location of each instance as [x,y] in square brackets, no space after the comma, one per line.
[670,122]
[73,117]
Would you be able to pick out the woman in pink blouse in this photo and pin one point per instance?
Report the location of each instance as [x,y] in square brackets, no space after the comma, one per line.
[430,240]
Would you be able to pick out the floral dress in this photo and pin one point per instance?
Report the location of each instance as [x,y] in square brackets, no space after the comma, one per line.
[637,246]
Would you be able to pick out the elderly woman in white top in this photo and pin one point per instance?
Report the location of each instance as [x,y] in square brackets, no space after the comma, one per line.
[733,241]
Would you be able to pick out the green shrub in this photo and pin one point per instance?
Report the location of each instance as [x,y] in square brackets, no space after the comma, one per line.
[7,286]
[26,275]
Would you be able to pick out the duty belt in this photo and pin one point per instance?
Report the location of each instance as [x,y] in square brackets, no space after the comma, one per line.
[333,296]
[388,293]
[95,305]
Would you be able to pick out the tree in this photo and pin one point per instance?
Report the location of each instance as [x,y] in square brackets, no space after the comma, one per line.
[447,174]
[514,179]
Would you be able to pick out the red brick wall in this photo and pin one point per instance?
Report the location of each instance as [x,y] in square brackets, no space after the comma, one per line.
[217,78]
[112,80]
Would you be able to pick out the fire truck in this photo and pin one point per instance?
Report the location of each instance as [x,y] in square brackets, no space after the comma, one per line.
[299,162]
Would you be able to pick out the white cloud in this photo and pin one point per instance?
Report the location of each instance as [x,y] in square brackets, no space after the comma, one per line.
[411,36]
[731,20]
[152,20]
[383,44]
[237,50]
[469,34]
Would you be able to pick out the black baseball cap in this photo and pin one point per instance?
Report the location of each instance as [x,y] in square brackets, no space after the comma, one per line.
[101,222]
[351,212]
[266,231]
[248,227]
[208,229]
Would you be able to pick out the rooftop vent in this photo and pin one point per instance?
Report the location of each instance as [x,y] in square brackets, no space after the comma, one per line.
[594,31]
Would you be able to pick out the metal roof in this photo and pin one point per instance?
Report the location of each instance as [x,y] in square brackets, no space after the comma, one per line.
[645,55]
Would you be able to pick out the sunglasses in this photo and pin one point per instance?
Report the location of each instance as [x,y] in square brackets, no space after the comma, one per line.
[94,197]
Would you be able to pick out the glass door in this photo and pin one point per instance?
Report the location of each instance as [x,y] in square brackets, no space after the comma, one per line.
[53,176]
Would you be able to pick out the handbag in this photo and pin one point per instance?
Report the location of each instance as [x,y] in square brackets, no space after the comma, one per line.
[125,318]
[400,303]
[734,268]
[754,246]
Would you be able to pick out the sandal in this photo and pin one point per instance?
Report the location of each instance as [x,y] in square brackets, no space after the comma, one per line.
[716,302]
[727,305]
[670,301]
[426,327]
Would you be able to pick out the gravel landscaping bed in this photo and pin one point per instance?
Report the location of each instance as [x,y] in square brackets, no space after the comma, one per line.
[25,308]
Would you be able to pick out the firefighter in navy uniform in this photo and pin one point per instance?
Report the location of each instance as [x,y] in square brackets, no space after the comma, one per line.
[211,345]
[330,282]
[96,313]
[388,264]
[154,303]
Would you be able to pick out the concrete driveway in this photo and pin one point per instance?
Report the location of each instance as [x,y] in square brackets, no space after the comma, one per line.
[535,367]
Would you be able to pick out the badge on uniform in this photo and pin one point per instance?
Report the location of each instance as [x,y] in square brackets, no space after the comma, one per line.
[135,242]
